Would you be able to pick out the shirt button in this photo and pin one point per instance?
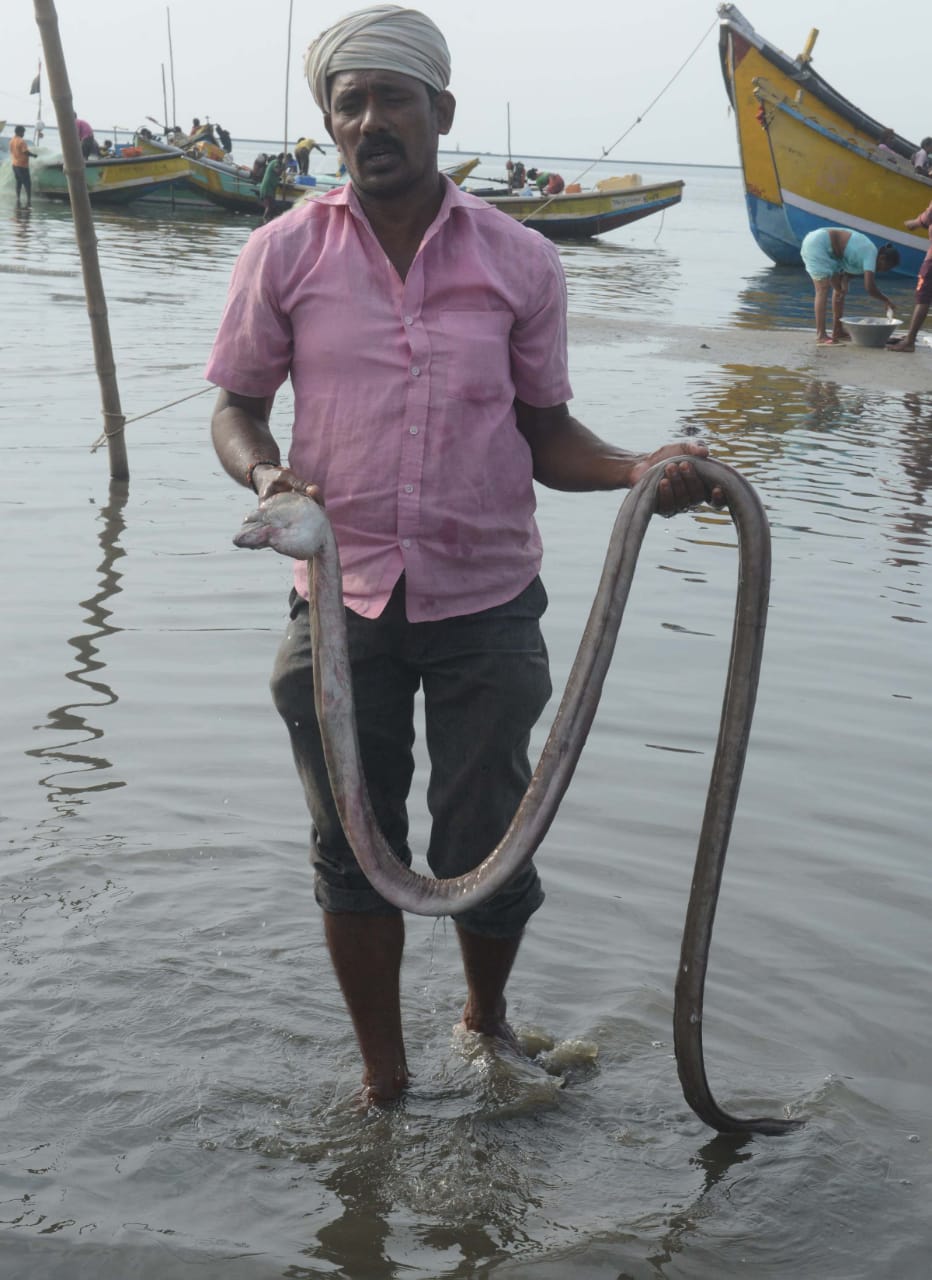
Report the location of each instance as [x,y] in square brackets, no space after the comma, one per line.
[409,319]
[413,430]
[406,542]
[409,488]
[415,370]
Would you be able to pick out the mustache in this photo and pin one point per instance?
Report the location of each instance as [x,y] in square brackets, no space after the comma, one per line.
[376,146]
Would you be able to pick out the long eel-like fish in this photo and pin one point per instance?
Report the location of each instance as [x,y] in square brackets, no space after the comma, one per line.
[296,526]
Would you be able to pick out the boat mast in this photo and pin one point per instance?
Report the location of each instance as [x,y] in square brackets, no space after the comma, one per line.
[39,127]
[508,110]
[171,64]
[287,75]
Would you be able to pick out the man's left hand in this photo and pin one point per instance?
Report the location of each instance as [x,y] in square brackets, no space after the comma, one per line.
[682,487]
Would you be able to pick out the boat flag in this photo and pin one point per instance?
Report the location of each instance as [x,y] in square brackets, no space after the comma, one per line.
[36,86]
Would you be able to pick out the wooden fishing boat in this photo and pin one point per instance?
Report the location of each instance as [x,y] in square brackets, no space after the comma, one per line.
[460,171]
[580,214]
[212,183]
[209,183]
[115,180]
[809,157]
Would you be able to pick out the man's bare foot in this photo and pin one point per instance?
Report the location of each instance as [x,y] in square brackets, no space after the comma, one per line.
[841,334]
[902,344]
[823,340]
[383,1090]
[499,1031]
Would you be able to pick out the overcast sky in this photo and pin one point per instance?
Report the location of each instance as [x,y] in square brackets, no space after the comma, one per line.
[577,75]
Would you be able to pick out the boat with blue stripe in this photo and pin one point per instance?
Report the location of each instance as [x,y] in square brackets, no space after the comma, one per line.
[810,158]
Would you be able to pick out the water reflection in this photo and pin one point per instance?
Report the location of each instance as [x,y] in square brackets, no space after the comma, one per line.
[776,298]
[607,279]
[767,402]
[153,240]
[912,526]
[456,1196]
[716,1159]
[759,412]
[770,404]
[68,787]
[781,298]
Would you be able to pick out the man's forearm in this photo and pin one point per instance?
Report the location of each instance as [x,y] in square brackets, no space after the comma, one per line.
[568,456]
[242,436]
[576,460]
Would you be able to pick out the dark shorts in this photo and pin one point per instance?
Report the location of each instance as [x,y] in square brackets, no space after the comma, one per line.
[924,283]
[486,681]
[23,180]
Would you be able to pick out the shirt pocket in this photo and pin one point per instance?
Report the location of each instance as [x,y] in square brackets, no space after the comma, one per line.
[476,354]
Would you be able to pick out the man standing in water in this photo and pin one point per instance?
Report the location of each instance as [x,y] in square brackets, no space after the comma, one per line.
[19,161]
[425,337]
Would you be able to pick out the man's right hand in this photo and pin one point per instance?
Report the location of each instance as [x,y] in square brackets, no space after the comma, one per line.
[269,480]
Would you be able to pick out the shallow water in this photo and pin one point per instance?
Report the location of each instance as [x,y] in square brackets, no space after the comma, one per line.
[179,1069]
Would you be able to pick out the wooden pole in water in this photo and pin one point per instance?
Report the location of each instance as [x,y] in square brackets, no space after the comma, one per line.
[60,89]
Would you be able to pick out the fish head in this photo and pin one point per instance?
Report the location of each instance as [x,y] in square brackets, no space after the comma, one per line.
[289,523]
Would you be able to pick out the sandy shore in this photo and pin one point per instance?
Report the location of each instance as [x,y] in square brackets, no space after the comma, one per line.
[869,369]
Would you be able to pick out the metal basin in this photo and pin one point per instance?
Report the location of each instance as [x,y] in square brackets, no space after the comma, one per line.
[871,331]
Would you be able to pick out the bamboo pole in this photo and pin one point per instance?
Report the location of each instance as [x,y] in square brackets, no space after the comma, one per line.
[60,88]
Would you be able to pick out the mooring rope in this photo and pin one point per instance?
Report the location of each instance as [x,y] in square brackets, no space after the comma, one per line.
[104,435]
[607,151]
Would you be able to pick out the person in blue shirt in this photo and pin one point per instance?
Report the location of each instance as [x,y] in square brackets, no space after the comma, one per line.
[831,256]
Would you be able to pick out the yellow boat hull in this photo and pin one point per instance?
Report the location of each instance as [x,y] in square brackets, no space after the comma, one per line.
[115,181]
[579,215]
[809,156]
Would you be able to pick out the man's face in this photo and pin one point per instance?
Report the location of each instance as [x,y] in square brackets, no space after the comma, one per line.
[387,128]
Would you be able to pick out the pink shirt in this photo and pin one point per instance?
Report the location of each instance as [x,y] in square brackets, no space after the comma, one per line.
[404,390]
[83,128]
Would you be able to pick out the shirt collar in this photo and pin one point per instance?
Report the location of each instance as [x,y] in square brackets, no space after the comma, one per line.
[453,198]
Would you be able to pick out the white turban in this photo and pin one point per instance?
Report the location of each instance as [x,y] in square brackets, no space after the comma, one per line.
[383,37]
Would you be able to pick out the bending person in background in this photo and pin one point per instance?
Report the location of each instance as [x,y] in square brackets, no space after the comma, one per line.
[831,256]
[923,286]
[548,184]
[302,152]
[84,129]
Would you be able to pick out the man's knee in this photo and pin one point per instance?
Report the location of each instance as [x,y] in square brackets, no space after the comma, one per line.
[507,913]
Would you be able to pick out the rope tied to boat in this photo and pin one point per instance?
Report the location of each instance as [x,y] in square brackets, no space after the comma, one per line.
[607,151]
